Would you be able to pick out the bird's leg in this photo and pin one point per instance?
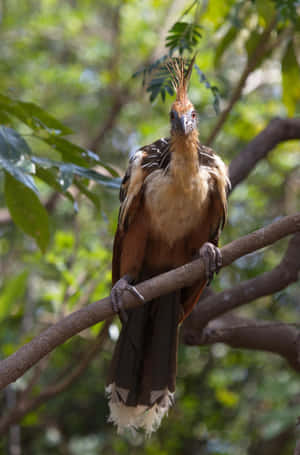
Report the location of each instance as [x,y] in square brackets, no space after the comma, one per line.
[212,258]
[122,285]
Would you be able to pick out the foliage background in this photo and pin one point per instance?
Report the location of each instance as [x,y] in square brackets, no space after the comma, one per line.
[76,59]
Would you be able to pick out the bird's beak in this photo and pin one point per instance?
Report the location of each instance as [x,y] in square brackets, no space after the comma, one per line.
[183,124]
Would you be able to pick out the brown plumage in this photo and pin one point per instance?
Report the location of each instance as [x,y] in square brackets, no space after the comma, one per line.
[173,201]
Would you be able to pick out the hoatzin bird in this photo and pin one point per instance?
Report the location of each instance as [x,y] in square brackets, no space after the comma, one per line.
[173,206]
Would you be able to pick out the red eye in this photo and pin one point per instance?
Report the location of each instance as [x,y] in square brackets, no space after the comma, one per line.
[194,115]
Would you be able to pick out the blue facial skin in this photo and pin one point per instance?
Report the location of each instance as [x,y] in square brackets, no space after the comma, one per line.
[183,124]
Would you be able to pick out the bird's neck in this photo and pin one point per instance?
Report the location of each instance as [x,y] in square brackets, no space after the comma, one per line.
[184,164]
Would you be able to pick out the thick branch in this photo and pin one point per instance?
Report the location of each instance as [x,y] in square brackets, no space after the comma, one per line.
[238,332]
[277,131]
[277,279]
[15,366]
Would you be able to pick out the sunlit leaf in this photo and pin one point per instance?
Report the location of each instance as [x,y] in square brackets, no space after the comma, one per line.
[224,44]
[290,79]
[12,291]
[183,36]
[266,10]
[227,397]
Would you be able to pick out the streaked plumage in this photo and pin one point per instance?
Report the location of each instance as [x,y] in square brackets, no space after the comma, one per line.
[173,200]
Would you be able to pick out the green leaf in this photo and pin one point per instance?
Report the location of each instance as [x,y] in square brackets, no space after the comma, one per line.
[15,157]
[33,116]
[290,79]
[12,146]
[69,151]
[214,90]
[5,119]
[19,175]
[183,36]
[287,9]
[75,154]
[68,170]
[252,43]
[42,119]
[12,291]
[266,10]
[225,42]
[27,211]
[50,178]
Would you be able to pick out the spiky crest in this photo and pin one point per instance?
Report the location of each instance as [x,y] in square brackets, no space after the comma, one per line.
[180,79]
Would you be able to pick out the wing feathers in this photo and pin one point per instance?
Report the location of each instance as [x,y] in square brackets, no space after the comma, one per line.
[131,239]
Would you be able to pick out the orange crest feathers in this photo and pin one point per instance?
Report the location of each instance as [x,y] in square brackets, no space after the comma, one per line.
[181,78]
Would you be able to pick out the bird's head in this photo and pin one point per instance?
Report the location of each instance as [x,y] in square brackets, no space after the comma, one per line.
[183,116]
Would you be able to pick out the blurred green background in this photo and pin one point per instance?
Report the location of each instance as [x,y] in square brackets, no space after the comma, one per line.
[75,59]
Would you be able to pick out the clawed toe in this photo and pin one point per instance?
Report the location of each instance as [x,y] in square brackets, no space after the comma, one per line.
[117,291]
[212,258]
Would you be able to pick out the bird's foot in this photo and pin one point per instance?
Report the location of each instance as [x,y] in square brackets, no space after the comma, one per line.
[122,285]
[212,258]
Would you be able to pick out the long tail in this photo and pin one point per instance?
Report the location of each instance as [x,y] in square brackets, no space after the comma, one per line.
[142,376]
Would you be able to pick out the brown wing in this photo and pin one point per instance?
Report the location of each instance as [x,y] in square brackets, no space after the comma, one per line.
[132,231]
[210,230]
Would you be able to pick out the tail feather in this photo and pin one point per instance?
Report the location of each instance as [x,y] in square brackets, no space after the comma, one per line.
[140,416]
[142,377]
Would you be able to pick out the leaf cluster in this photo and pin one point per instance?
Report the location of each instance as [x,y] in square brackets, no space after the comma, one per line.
[20,166]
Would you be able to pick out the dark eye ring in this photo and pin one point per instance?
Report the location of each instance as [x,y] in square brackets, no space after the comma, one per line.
[172,115]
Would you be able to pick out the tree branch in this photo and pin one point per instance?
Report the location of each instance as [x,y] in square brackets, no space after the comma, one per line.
[277,131]
[281,276]
[238,332]
[24,358]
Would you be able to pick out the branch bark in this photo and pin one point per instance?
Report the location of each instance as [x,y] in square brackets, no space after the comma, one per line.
[238,332]
[281,276]
[15,366]
[277,131]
